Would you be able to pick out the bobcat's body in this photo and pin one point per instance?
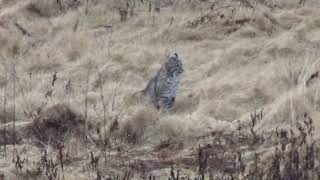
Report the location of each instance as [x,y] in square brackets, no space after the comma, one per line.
[162,89]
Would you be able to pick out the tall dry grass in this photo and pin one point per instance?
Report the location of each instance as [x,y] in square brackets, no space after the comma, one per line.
[236,60]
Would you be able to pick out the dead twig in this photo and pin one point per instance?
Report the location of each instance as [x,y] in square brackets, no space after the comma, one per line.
[22,29]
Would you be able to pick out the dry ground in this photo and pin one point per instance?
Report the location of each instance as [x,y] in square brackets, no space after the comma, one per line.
[71,69]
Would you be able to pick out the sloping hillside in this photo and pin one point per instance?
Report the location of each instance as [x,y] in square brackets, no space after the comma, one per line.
[248,96]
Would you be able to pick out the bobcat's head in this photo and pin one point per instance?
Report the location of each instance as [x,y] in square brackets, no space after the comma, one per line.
[174,66]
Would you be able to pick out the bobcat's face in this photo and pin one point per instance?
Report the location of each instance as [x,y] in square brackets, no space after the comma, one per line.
[174,66]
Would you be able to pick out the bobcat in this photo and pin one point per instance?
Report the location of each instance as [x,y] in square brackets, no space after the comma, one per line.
[162,88]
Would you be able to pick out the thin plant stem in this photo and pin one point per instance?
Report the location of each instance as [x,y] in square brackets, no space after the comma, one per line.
[14,113]
[5,116]
[86,101]
[104,117]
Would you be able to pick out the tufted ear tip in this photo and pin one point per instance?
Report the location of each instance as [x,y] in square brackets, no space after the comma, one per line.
[176,55]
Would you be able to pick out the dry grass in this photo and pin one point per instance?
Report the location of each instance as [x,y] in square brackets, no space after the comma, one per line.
[237,59]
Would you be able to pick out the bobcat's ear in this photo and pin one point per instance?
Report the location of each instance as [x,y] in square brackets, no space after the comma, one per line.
[166,65]
[175,55]
[167,68]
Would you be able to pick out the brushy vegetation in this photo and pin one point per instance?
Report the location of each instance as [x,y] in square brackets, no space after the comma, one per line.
[70,70]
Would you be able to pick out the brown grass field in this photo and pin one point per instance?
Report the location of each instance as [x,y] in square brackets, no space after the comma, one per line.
[248,105]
